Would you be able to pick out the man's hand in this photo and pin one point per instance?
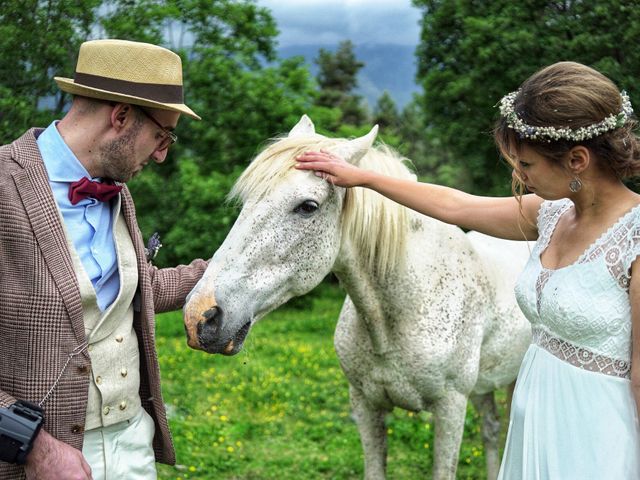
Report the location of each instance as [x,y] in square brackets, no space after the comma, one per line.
[52,459]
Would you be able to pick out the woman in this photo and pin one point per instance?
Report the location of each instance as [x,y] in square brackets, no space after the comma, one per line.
[568,134]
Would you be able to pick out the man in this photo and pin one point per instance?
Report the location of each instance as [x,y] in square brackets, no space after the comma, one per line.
[77,294]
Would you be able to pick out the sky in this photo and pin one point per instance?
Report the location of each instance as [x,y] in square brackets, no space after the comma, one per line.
[327,22]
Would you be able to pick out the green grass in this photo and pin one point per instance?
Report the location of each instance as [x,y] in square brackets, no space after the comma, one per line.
[280,408]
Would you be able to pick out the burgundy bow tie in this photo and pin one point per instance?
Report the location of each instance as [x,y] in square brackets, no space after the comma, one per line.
[84,188]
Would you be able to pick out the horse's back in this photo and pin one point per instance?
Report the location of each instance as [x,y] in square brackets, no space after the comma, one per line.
[503,261]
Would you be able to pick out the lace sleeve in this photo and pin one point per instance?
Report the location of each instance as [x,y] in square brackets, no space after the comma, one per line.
[548,213]
[544,214]
[633,245]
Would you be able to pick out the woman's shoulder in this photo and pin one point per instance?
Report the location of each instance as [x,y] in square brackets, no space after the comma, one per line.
[550,211]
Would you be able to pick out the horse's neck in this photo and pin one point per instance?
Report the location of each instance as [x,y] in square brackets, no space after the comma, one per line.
[378,299]
[365,293]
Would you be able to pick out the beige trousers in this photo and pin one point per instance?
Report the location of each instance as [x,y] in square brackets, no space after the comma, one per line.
[122,451]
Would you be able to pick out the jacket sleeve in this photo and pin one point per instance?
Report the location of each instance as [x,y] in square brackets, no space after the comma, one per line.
[6,399]
[172,285]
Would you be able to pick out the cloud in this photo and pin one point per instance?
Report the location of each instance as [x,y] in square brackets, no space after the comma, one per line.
[327,22]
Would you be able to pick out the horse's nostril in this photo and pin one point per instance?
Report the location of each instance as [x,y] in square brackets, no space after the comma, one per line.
[213,316]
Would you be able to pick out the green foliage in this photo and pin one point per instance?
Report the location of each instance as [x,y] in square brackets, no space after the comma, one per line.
[472,53]
[385,113]
[280,408]
[189,210]
[339,70]
[38,39]
[337,78]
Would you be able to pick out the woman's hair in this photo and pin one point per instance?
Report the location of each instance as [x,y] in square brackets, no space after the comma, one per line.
[570,95]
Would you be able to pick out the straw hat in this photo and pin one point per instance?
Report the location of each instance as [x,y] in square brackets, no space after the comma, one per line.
[128,72]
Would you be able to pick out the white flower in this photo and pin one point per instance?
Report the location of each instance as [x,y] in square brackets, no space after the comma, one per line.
[532,132]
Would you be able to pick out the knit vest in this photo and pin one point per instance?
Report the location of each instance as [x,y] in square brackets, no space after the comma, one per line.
[113,345]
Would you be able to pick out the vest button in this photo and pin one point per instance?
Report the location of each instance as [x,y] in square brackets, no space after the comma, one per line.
[77,429]
[106,410]
[119,338]
[98,380]
[122,405]
[83,369]
[123,372]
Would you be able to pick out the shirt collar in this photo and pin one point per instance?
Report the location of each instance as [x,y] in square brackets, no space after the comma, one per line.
[61,163]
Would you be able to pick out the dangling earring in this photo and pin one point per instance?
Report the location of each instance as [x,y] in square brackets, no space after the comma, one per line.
[575,185]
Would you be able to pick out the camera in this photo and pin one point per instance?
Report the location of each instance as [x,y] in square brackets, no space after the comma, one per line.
[20,423]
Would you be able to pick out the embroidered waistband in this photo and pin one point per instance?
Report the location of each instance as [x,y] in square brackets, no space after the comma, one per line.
[581,357]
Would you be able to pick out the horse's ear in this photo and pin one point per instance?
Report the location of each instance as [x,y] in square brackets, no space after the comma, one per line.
[304,128]
[353,150]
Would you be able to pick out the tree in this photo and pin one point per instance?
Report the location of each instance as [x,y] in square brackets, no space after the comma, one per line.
[37,39]
[337,78]
[472,53]
[385,113]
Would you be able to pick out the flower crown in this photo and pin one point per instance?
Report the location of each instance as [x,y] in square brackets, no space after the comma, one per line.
[532,132]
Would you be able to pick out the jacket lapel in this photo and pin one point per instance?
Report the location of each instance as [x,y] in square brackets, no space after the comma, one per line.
[32,183]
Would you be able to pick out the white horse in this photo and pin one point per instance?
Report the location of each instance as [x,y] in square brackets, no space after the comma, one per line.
[430,318]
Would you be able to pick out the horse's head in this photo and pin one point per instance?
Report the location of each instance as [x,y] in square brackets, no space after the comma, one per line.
[282,245]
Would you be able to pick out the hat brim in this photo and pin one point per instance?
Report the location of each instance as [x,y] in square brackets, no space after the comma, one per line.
[68,85]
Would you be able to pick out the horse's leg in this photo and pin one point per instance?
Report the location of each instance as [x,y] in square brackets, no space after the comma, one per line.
[449,415]
[486,406]
[373,435]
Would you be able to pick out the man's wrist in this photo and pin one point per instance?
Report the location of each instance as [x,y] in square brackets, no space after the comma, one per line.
[20,424]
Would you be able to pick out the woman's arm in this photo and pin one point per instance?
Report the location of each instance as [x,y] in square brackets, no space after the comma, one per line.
[500,217]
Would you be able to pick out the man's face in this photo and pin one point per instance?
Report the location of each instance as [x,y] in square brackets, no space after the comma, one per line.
[124,157]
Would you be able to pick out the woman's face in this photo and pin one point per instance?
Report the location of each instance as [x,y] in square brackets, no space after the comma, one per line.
[544,177]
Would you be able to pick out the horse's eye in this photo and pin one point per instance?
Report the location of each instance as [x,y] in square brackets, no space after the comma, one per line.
[307,207]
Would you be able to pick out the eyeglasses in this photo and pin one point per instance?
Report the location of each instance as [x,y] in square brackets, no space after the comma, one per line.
[169,137]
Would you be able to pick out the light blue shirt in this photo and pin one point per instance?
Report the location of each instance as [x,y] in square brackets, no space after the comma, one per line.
[89,223]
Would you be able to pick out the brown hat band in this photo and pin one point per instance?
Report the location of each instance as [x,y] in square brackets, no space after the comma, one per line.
[151,91]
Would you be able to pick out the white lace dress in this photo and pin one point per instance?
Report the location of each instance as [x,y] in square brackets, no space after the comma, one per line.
[573,415]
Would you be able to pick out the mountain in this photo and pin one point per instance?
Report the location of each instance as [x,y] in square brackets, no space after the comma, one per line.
[387,67]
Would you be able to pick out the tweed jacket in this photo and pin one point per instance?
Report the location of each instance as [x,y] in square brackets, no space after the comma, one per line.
[41,320]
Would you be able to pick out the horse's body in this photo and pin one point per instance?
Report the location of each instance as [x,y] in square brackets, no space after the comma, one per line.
[430,318]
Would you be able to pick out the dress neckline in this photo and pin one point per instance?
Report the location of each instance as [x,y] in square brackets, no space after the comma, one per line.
[606,233]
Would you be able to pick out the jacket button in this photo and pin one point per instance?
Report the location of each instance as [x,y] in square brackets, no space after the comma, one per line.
[106,410]
[122,405]
[123,372]
[119,338]
[98,379]
[77,429]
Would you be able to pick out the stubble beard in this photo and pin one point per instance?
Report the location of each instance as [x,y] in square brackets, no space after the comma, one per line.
[117,156]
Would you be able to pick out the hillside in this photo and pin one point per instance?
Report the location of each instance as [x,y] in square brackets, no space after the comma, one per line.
[387,67]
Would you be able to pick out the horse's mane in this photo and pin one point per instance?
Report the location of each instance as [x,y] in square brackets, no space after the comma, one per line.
[375,225]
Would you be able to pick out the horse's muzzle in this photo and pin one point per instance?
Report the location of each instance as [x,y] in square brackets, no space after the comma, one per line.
[204,321]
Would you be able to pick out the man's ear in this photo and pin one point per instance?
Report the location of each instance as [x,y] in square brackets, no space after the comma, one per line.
[579,159]
[121,113]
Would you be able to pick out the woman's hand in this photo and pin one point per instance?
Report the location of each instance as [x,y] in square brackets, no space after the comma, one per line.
[332,168]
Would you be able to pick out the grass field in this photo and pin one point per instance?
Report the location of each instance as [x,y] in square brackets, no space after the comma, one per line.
[280,408]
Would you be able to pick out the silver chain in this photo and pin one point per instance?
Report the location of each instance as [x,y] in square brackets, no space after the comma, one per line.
[76,351]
